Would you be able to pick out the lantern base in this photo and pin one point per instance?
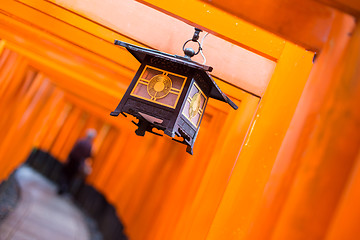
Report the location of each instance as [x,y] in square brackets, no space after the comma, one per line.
[145,126]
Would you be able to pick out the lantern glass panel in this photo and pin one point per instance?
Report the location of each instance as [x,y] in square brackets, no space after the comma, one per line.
[159,86]
[194,105]
[150,73]
[193,91]
[141,90]
[177,82]
[170,99]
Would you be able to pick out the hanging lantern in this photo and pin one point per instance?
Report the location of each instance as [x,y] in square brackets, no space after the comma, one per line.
[169,92]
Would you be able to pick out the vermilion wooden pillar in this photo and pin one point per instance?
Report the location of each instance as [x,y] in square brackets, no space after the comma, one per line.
[319,150]
[240,201]
[345,223]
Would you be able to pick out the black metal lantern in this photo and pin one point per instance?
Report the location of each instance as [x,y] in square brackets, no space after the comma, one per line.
[169,93]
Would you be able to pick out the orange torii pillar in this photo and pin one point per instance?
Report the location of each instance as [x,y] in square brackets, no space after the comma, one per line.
[305,196]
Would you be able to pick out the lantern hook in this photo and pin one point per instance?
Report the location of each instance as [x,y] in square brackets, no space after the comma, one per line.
[196,35]
[189,52]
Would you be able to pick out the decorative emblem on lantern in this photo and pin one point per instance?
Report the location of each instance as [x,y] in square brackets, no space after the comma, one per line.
[169,92]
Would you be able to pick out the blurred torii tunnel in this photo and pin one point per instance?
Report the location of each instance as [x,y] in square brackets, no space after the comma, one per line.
[285,165]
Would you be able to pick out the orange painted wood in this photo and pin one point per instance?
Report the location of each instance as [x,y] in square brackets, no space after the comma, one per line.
[99,111]
[304,22]
[9,76]
[12,73]
[347,6]
[65,129]
[235,65]
[12,77]
[193,179]
[240,202]
[242,76]
[329,144]
[64,75]
[23,103]
[118,190]
[52,117]
[71,123]
[66,59]
[29,112]
[288,161]
[74,134]
[30,133]
[193,13]
[24,131]
[2,47]
[150,164]
[54,85]
[344,224]
[66,32]
[111,165]
[62,115]
[10,130]
[140,17]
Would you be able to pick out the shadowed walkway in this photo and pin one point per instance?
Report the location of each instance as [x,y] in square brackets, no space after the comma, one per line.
[41,214]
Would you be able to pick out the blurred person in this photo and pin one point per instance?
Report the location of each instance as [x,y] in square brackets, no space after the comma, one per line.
[78,164]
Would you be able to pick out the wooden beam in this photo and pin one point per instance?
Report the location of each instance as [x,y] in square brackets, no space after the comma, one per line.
[65,26]
[304,22]
[348,6]
[221,24]
[63,33]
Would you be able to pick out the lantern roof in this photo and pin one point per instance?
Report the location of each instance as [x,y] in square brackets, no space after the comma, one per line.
[140,53]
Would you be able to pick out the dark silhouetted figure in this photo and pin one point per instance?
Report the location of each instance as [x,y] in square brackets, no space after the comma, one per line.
[77,165]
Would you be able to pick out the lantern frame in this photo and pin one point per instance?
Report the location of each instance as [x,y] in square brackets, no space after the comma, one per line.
[152,113]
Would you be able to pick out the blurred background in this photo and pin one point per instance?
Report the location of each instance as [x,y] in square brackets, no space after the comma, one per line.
[285,165]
